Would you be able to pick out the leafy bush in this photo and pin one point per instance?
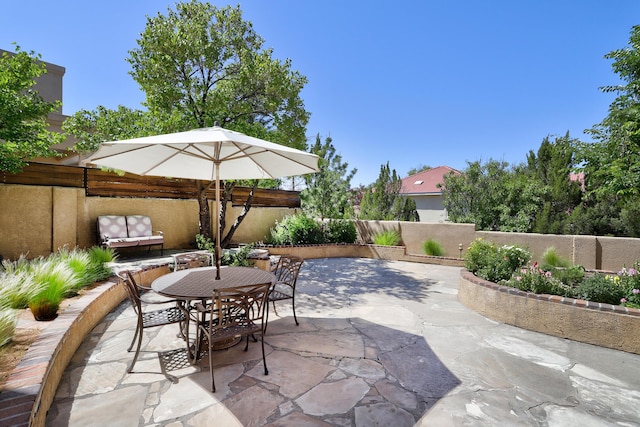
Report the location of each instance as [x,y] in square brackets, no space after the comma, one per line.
[340,231]
[536,280]
[387,238]
[601,288]
[570,276]
[493,263]
[433,248]
[238,257]
[552,258]
[205,244]
[298,229]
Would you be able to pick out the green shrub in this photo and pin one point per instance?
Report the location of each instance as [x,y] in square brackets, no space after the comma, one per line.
[205,244]
[433,248]
[552,258]
[340,231]
[493,263]
[570,276]
[538,281]
[601,288]
[238,257]
[298,229]
[387,238]
[630,282]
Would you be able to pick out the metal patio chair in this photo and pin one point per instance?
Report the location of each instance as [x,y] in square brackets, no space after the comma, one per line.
[149,318]
[234,313]
[284,288]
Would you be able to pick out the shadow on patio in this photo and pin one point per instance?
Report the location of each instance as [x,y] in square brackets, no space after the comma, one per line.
[357,358]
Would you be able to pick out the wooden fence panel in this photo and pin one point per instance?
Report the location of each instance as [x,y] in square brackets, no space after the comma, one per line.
[44,174]
[110,184]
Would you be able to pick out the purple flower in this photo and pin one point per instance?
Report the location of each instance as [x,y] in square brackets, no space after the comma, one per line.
[632,272]
[636,291]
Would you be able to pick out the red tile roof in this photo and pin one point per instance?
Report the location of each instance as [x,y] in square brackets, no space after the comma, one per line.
[426,182]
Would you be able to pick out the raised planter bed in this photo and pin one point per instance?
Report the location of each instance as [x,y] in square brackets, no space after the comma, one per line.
[605,325]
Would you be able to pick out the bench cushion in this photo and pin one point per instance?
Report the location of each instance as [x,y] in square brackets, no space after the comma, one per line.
[112,226]
[139,226]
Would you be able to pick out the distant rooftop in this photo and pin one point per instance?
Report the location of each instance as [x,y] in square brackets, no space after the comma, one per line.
[426,182]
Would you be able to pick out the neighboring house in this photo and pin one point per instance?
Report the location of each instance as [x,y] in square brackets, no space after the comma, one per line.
[423,189]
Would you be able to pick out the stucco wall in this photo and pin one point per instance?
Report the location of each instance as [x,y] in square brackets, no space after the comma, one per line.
[430,208]
[37,220]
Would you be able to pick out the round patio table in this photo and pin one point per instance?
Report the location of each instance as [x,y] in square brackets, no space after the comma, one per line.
[198,284]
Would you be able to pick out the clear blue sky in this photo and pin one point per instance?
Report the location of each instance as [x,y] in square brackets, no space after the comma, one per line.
[409,82]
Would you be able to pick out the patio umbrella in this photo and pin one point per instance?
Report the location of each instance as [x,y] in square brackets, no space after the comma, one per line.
[210,154]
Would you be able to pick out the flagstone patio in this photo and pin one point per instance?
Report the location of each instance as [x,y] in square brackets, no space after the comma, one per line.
[379,343]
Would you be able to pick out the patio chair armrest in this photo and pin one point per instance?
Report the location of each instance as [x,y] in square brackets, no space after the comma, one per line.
[158,233]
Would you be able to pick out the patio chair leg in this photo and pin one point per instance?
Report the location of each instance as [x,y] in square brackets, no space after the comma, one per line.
[264,358]
[135,336]
[135,356]
[293,305]
[213,381]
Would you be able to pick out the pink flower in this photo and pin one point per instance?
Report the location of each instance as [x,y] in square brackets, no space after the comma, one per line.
[548,274]
[518,278]
[632,272]
[623,300]
[636,291]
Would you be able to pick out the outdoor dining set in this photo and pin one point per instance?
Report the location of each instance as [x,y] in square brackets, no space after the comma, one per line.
[212,313]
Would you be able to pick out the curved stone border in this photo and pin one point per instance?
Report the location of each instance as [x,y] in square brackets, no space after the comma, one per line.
[605,325]
[32,385]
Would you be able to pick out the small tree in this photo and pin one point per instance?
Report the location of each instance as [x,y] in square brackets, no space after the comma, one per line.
[383,200]
[327,191]
[23,112]
[198,65]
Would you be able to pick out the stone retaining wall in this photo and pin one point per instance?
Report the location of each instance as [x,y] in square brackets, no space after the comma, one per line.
[31,387]
[605,325]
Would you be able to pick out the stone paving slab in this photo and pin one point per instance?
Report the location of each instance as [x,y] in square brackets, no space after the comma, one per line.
[379,343]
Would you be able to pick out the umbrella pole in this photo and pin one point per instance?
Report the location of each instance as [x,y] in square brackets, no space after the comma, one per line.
[218,248]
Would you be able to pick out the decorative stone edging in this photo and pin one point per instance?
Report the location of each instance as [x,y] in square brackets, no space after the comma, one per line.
[32,385]
[605,325]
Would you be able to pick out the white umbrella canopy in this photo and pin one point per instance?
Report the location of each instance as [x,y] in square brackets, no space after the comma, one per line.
[194,154]
[209,154]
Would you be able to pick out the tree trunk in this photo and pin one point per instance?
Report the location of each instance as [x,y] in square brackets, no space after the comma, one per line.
[245,210]
[204,211]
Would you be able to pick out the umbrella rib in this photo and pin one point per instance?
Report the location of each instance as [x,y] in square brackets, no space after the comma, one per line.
[178,152]
[241,153]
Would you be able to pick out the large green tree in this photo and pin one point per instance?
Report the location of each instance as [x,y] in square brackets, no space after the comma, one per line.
[612,163]
[198,65]
[327,192]
[383,201]
[24,132]
[551,166]
[492,196]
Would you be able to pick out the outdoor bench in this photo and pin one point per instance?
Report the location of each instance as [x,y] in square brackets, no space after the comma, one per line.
[124,231]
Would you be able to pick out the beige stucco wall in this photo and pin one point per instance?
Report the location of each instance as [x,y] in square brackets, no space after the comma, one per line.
[37,220]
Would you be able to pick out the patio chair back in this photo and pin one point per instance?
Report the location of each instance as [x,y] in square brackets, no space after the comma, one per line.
[284,288]
[234,313]
[147,318]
